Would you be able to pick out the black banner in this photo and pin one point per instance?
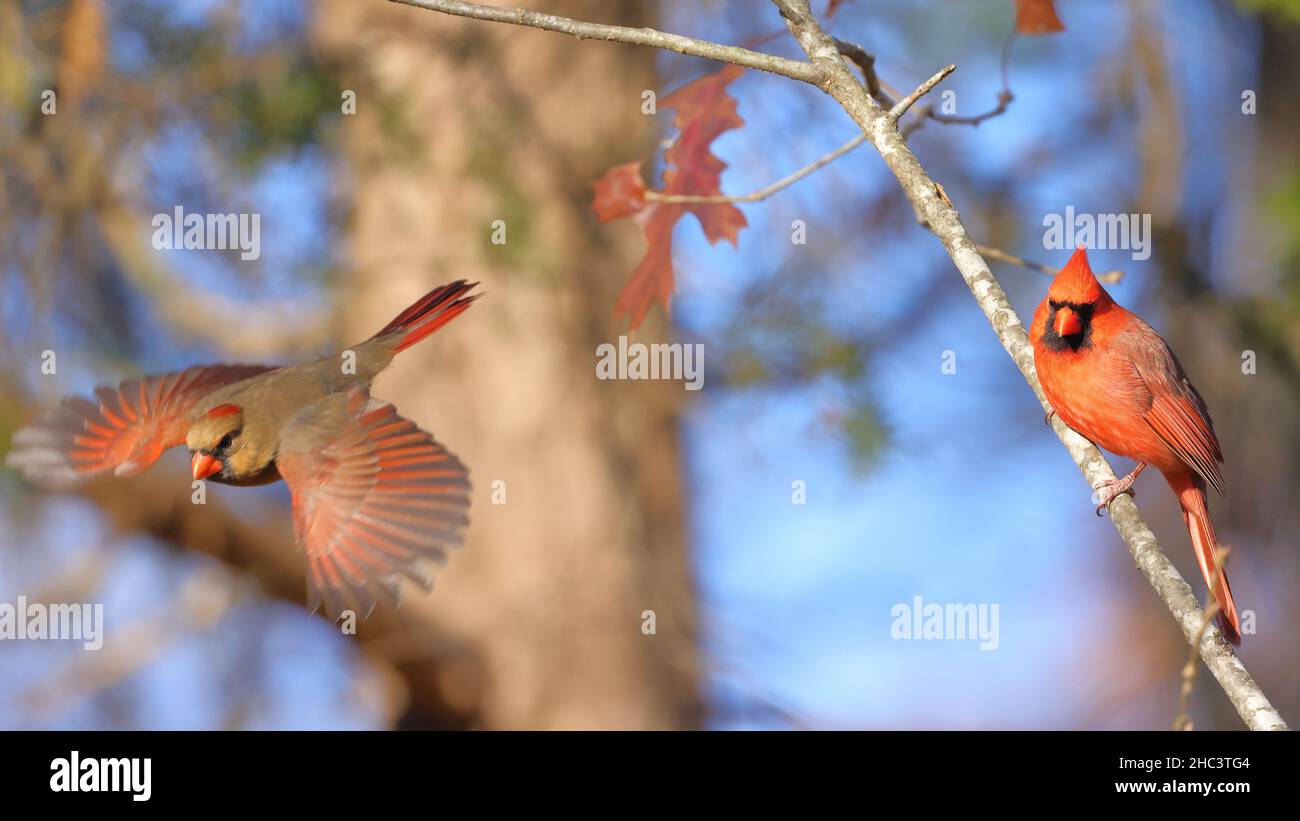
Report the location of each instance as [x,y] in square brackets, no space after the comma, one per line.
[329,770]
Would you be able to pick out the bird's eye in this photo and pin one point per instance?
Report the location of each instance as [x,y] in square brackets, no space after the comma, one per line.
[225,441]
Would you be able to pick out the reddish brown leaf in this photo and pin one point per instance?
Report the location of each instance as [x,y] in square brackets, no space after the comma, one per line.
[1037,17]
[653,278]
[620,193]
[706,99]
[703,110]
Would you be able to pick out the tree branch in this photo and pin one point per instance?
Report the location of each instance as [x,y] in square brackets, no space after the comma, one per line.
[866,63]
[794,69]
[1004,99]
[924,88]
[1011,259]
[767,191]
[941,218]
[827,71]
[1183,721]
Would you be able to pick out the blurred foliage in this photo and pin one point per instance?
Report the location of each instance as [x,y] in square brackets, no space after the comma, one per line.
[864,434]
[250,99]
[400,136]
[1284,209]
[1288,9]
[208,90]
[781,342]
[514,206]
[285,113]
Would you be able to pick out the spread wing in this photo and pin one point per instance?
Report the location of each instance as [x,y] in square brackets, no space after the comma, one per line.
[374,498]
[123,429]
[1178,414]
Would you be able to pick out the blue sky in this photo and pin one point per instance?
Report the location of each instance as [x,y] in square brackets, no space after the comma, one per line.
[973,501]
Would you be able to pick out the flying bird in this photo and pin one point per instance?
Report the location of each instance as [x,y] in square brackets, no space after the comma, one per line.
[374,497]
[1110,377]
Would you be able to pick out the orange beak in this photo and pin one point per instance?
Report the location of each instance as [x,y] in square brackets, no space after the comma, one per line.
[205,465]
[1067,322]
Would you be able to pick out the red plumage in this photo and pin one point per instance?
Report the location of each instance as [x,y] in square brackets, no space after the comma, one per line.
[374,497]
[433,311]
[1111,377]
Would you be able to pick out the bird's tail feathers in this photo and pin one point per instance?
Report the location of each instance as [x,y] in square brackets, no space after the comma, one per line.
[432,311]
[1191,498]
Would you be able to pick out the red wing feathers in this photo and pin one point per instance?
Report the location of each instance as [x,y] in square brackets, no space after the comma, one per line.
[374,497]
[1178,414]
[125,429]
[1176,420]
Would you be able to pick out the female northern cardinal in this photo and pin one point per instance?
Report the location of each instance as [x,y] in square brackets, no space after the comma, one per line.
[1110,377]
[373,495]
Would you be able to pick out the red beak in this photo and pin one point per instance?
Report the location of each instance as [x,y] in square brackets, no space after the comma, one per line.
[205,465]
[1067,322]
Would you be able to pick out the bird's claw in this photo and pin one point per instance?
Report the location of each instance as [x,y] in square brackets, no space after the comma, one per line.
[1047,418]
[1114,488]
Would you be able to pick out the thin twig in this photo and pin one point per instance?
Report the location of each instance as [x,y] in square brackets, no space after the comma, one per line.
[1004,100]
[794,69]
[924,88]
[927,112]
[767,191]
[882,91]
[866,62]
[1011,259]
[935,211]
[1183,721]
[827,70]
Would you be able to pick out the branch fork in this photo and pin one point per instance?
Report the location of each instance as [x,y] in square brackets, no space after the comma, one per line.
[868,106]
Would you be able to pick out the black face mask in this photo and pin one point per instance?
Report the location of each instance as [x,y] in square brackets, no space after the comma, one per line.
[1073,342]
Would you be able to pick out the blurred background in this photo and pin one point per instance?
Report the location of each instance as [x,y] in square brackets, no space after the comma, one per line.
[823,364]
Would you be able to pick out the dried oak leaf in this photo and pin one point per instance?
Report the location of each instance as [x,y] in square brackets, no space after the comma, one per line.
[620,193]
[1037,17]
[703,110]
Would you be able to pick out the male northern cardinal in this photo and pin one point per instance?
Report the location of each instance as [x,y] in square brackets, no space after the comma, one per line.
[1110,377]
[373,495]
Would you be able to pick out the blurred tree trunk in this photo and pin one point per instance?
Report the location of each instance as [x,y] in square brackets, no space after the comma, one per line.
[459,124]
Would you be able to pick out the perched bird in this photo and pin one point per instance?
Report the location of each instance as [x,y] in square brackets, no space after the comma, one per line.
[373,495]
[1110,377]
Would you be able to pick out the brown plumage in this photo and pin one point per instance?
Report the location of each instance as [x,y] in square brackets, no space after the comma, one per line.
[373,495]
